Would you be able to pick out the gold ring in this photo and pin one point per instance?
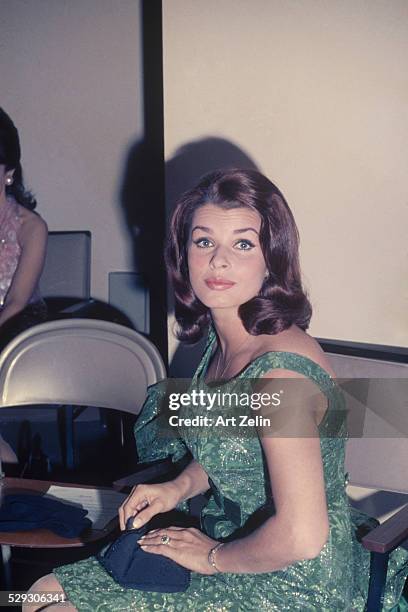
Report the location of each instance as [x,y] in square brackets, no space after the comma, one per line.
[165,539]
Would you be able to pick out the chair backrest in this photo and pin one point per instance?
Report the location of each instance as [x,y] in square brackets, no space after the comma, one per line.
[67,269]
[378,458]
[79,362]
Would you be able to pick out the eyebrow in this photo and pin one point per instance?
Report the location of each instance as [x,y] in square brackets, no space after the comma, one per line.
[237,231]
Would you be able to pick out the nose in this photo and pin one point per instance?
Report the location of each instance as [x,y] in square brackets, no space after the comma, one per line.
[219,259]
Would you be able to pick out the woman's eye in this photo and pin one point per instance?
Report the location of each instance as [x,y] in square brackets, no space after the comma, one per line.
[203,243]
[245,245]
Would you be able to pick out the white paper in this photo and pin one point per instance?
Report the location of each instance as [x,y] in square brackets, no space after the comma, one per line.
[102,505]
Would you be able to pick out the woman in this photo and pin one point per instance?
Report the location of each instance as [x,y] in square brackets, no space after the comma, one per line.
[276,533]
[23,241]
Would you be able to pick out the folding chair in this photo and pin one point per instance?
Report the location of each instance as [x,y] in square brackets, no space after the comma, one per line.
[77,362]
[376,462]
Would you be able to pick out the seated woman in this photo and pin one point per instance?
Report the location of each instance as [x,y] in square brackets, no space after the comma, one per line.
[23,242]
[276,533]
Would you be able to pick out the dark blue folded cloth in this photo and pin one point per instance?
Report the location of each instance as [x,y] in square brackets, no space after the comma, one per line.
[27,512]
[134,568]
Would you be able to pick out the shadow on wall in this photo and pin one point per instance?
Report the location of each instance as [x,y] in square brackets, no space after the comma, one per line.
[142,211]
[143,207]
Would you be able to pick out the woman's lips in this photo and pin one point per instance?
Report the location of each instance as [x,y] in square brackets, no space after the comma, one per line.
[219,284]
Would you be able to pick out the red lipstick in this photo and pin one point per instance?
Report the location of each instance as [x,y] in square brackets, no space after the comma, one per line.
[219,284]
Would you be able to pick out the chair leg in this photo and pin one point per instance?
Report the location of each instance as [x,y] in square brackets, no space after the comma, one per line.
[378,575]
[6,567]
[24,446]
[66,435]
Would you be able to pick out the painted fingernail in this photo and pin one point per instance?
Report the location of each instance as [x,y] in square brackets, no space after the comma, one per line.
[136,523]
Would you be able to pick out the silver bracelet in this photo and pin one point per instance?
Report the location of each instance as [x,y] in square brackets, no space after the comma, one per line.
[211,556]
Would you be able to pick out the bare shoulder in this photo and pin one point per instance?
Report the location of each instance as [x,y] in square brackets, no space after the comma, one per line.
[32,225]
[295,340]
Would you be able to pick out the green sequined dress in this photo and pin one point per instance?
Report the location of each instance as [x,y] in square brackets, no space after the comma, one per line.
[336,580]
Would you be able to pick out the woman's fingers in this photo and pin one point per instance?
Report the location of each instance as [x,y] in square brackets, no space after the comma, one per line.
[146,513]
[146,501]
[153,542]
[170,536]
[158,541]
[121,514]
[162,549]
[133,505]
[156,537]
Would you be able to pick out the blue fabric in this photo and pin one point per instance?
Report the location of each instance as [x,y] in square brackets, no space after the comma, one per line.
[27,512]
[134,568]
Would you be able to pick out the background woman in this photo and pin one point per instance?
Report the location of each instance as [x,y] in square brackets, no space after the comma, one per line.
[276,533]
[23,241]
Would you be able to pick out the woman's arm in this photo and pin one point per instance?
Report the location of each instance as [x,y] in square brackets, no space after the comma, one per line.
[300,527]
[33,242]
[192,481]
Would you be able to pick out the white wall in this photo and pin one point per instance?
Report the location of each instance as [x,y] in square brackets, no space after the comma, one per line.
[71,80]
[316,93]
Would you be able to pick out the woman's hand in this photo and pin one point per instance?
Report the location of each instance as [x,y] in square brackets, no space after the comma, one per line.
[188,547]
[145,501]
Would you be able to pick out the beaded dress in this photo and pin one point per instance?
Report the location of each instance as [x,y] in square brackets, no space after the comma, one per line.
[240,499]
[10,252]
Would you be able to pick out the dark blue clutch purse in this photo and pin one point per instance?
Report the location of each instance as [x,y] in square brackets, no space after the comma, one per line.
[133,568]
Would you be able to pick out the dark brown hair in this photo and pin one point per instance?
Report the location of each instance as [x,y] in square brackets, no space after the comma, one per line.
[281,301]
[10,154]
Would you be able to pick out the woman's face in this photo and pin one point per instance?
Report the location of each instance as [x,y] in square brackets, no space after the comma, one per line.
[225,260]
